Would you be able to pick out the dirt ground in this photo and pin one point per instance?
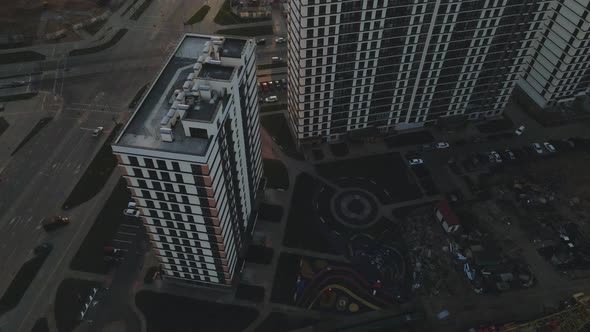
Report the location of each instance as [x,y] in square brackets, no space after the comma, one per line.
[28,18]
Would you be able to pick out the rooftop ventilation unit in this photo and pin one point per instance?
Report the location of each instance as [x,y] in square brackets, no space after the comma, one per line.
[166,134]
[217,40]
[165,121]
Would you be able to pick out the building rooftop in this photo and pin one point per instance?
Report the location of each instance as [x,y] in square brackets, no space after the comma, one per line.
[216,72]
[176,95]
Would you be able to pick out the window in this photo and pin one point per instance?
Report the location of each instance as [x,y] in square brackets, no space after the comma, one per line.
[133,161]
[161,164]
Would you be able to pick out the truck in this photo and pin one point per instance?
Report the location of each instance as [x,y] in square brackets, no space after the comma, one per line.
[55,222]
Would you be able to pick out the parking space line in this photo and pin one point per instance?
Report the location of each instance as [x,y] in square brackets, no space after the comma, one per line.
[132,234]
[128,225]
[122,241]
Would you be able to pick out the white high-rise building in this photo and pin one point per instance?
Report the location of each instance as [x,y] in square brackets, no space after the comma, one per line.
[191,156]
[398,64]
[559,67]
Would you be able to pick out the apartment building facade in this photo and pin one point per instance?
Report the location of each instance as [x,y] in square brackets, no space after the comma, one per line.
[191,157]
[401,64]
[559,65]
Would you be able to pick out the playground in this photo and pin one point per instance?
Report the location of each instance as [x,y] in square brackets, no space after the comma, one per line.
[342,212]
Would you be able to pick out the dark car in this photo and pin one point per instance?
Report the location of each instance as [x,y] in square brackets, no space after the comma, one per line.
[44,248]
[261,41]
[55,222]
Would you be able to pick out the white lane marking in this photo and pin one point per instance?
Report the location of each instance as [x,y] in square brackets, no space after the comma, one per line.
[122,241]
[126,225]
[132,234]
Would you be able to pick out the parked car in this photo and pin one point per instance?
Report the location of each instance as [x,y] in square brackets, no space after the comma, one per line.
[509,154]
[271,99]
[442,145]
[416,161]
[549,147]
[280,40]
[270,85]
[55,222]
[276,59]
[265,87]
[497,157]
[537,147]
[519,130]
[112,251]
[97,131]
[284,82]
[261,41]
[132,205]
[44,248]
[131,213]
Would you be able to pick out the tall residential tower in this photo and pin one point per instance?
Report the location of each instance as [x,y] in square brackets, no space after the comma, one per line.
[559,67]
[191,157]
[398,64]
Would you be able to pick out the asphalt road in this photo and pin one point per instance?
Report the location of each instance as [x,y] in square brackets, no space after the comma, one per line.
[80,93]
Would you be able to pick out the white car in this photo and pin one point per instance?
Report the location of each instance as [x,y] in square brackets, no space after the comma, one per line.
[97,131]
[132,205]
[519,130]
[549,147]
[271,99]
[538,148]
[496,156]
[279,40]
[416,161]
[131,213]
[442,145]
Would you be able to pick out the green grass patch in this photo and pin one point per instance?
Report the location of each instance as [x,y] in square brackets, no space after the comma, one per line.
[138,96]
[24,56]
[94,27]
[164,312]
[20,96]
[198,16]
[276,125]
[36,129]
[21,282]
[272,107]
[41,325]
[281,64]
[101,47]
[3,125]
[226,17]
[129,8]
[96,175]
[141,9]
[258,30]
[276,174]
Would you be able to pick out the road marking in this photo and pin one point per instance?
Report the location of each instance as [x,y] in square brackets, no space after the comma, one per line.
[127,225]
[121,241]
[126,233]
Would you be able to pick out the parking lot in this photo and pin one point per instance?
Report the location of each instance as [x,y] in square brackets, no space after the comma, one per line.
[111,229]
